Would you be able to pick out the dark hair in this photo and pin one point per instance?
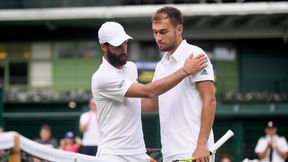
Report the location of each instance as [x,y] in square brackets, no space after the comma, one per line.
[46,127]
[171,13]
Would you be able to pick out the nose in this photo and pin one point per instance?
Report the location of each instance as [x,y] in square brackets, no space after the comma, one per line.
[157,37]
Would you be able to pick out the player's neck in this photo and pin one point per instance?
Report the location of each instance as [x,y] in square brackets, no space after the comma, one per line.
[171,52]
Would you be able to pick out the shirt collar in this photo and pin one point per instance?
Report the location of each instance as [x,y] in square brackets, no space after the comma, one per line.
[177,54]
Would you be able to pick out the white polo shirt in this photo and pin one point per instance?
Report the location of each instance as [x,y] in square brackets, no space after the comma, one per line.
[180,107]
[91,133]
[119,116]
[281,143]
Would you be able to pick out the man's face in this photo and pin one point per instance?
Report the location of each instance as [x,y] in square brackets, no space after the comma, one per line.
[166,35]
[117,56]
[271,131]
[45,134]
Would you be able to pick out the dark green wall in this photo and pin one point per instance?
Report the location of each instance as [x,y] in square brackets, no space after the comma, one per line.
[264,69]
[71,74]
[27,118]
[227,76]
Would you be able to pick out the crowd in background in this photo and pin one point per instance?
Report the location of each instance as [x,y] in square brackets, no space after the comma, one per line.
[40,95]
[88,126]
[69,142]
[269,146]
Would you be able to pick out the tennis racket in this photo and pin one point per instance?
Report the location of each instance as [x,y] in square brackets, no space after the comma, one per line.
[213,149]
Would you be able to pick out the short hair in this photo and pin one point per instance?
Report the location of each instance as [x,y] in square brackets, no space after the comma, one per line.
[172,13]
[45,127]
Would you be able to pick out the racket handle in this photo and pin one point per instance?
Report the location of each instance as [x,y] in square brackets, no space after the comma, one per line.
[190,159]
[185,160]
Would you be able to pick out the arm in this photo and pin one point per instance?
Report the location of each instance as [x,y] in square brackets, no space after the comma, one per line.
[158,87]
[83,125]
[283,154]
[154,89]
[149,105]
[207,93]
[278,146]
[263,154]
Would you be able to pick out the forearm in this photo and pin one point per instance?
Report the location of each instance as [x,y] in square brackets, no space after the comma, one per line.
[262,155]
[160,86]
[149,105]
[281,153]
[83,127]
[155,88]
[207,120]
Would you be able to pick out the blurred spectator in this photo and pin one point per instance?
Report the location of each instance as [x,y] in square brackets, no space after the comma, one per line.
[89,128]
[45,138]
[226,158]
[40,95]
[254,96]
[70,143]
[271,147]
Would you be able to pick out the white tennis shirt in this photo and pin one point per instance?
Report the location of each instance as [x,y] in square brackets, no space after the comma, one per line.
[91,133]
[180,107]
[119,116]
[281,144]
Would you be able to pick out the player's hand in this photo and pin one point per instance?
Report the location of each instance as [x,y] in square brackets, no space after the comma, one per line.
[273,143]
[201,154]
[78,140]
[194,64]
[269,144]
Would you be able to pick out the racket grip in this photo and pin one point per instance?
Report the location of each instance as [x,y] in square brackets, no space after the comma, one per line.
[191,159]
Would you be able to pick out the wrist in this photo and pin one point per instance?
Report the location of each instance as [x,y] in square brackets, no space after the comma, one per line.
[186,73]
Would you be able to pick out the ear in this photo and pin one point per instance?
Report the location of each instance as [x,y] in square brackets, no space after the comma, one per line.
[103,47]
[179,29]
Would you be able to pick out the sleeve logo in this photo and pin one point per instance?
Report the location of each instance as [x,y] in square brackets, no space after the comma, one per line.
[204,72]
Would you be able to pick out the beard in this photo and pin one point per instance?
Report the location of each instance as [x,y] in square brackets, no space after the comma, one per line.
[117,60]
[167,47]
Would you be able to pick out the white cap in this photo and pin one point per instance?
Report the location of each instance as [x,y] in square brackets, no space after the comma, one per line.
[113,33]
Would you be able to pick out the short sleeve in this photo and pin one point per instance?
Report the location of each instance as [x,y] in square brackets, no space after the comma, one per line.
[114,89]
[204,74]
[84,119]
[108,83]
[283,144]
[260,146]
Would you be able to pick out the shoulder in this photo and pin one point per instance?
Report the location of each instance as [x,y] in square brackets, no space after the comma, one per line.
[37,140]
[54,141]
[101,78]
[263,138]
[282,138]
[195,49]
[84,114]
[131,64]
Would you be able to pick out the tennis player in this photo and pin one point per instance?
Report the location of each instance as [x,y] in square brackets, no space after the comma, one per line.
[115,90]
[186,111]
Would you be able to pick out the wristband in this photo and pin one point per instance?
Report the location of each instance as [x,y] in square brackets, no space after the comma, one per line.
[185,71]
